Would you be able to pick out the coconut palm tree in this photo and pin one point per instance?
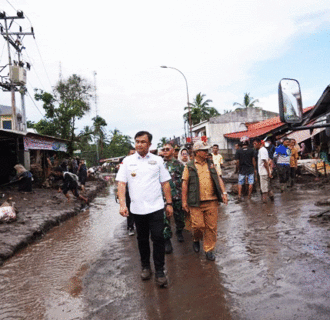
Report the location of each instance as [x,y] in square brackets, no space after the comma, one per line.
[200,110]
[247,101]
[162,142]
[99,132]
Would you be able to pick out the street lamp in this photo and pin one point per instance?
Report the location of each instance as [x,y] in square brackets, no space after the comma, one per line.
[188,104]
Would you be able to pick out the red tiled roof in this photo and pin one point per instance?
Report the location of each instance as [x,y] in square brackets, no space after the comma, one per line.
[260,128]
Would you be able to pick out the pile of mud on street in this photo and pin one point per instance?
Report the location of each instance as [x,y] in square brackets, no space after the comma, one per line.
[37,212]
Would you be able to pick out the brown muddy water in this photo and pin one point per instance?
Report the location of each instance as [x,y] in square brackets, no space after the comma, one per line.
[44,280]
[272,263]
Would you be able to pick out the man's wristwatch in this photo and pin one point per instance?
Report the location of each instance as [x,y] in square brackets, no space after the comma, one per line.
[169,204]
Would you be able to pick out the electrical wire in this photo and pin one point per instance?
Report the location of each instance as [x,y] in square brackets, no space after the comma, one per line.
[34,103]
[11,5]
[43,62]
[14,9]
[3,48]
[34,69]
[36,44]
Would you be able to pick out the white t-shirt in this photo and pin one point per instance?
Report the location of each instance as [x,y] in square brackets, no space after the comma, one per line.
[262,155]
[144,177]
[218,161]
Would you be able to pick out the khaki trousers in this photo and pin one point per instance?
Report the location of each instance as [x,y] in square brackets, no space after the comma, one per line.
[204,223]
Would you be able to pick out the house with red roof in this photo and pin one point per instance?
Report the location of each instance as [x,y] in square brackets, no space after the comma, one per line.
[274,129]
[240,120]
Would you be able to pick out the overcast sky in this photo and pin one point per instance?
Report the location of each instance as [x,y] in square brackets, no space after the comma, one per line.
[224,48]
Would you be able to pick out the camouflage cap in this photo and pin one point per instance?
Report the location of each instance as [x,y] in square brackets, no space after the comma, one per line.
[200,145]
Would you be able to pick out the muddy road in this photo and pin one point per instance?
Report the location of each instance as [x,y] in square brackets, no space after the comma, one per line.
[273,262]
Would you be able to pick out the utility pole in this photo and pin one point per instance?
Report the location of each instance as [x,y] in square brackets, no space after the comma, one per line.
[95,100]
[17,73]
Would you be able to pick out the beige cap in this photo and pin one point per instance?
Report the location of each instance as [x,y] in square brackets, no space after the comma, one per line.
[200,145]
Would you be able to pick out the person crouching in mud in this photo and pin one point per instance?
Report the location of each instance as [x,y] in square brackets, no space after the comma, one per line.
[24,178]
[70,182]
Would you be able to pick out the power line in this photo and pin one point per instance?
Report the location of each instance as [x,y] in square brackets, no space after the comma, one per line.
[34,69]
[36,44]
[34,103]
[3,48]
[11,5]
[43,63]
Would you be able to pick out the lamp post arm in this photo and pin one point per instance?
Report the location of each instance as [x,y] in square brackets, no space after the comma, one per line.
[185,80]
[188,104]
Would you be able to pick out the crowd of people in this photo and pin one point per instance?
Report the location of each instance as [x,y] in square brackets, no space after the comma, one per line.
[72,172]
[181,183]
[261,163]
[186,185]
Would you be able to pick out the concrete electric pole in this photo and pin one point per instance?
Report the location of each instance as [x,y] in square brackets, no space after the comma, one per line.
[17,69]
[95,99]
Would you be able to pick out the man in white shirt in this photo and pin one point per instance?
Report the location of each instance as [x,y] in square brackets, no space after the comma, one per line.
[264,170]
[217,158]
[146,177]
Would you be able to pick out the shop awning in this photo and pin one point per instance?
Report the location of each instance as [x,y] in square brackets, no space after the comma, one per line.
[303,135]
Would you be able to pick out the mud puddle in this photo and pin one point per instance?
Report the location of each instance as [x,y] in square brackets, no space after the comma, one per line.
[44,280]
[274,261]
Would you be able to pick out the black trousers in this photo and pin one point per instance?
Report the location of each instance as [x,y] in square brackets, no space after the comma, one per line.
[146,225]
[283,173]
[130,218]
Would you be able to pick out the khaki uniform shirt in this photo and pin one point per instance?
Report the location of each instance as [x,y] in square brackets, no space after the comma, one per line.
[206,186]
[294,158]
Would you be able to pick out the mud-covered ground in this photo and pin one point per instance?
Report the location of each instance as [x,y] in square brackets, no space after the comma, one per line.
[272,262]
[37,212]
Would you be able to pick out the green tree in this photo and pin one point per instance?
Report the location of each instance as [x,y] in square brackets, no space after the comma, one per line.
[84,143]
[69,102]
[200,110]
[119,144]
[162,142]
[85,137]
[30,124]
[248,102]
[99,133]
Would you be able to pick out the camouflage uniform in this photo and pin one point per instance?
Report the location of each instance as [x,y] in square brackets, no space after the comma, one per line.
[175,168]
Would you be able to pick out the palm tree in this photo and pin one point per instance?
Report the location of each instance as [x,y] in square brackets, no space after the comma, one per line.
[162,142]
[85,136]
[248,102]
[200,110]
[99,132]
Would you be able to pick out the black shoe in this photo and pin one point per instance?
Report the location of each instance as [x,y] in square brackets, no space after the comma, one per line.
[146,274]
[168,246]
[196,246]
[210,256]
[161,279]
[180,236]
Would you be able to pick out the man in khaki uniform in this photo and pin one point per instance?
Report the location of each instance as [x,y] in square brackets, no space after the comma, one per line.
[202,190]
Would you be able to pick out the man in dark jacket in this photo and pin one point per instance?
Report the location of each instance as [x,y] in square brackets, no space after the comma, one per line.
[202,190]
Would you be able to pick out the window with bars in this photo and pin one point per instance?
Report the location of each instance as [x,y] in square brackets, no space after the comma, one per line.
[6,124]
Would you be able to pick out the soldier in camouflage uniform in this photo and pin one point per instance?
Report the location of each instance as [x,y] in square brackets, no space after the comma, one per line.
[175,168]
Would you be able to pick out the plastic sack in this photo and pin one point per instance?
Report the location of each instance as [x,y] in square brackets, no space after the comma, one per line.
[7,213]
